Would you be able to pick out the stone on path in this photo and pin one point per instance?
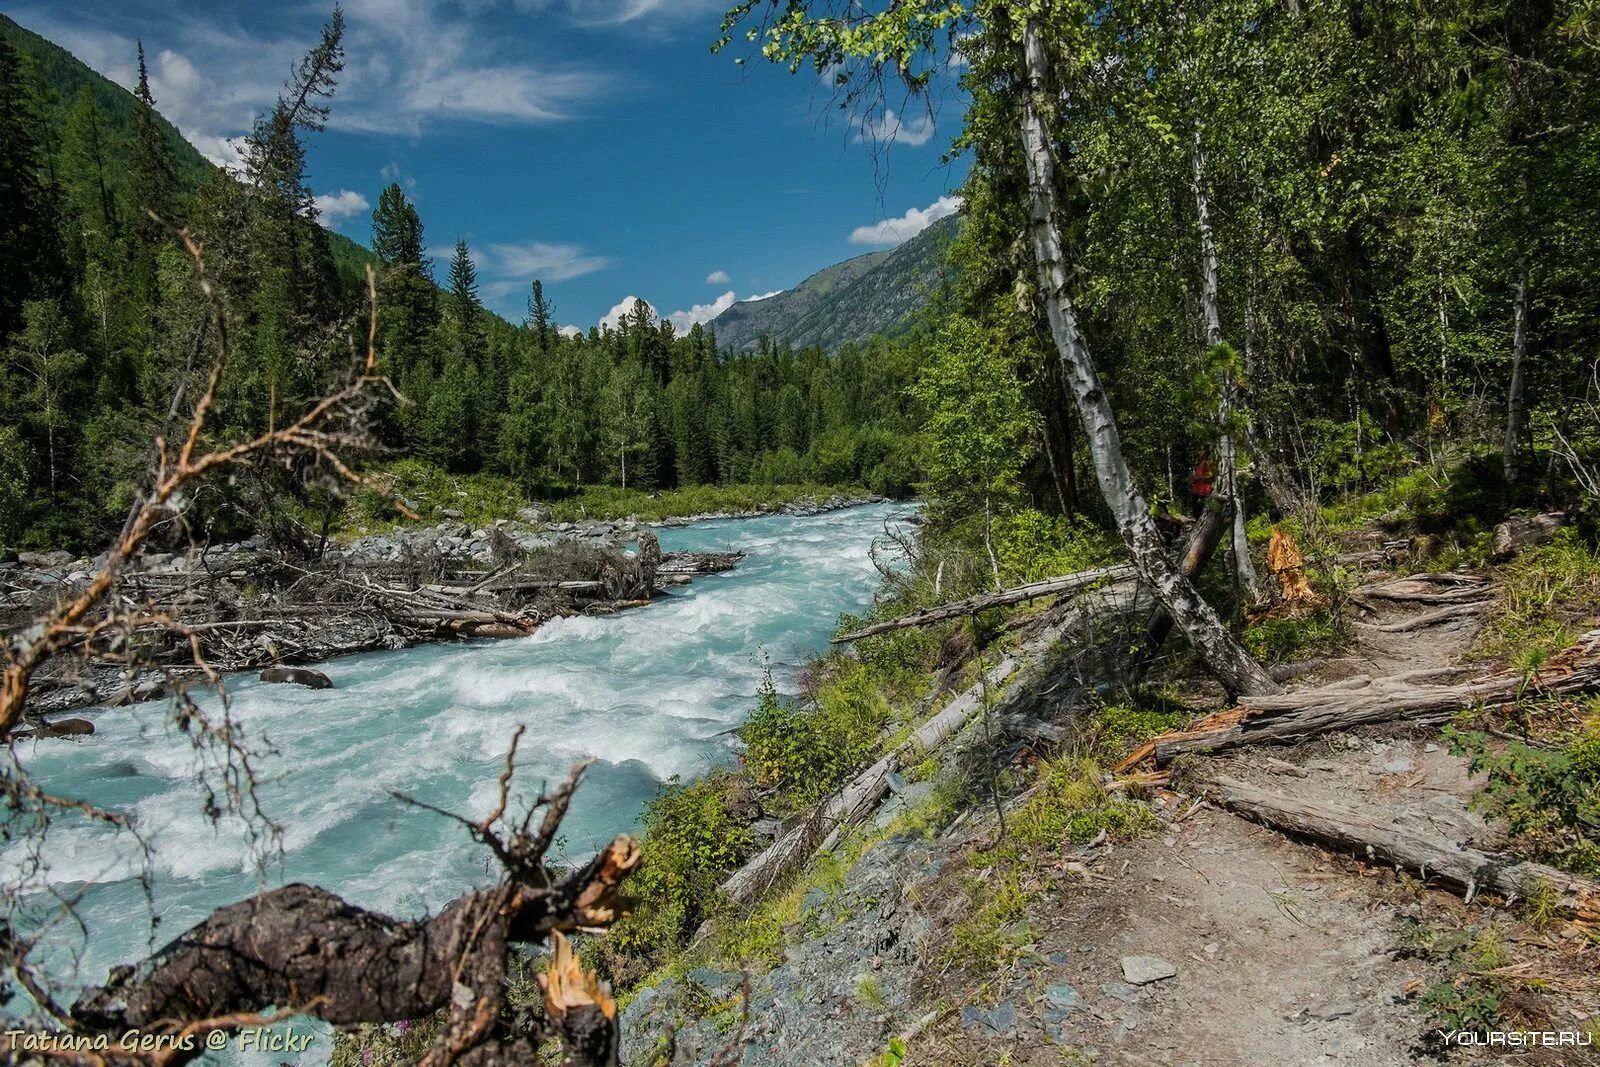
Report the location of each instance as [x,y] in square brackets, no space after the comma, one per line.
[1142,970]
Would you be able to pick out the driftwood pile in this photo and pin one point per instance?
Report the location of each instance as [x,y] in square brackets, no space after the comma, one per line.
[245,608]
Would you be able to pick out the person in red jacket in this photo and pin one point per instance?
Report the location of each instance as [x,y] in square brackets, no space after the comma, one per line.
[1205,473]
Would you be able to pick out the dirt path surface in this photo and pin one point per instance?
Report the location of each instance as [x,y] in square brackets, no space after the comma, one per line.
[1276,955]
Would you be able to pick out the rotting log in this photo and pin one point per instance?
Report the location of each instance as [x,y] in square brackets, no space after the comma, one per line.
[956,609]
[1450,613]
[860,796]
[1290,718]
[306,948]
[1427,589]
[1373,832]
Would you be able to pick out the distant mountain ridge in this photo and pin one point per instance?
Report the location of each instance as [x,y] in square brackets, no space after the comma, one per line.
[879,293]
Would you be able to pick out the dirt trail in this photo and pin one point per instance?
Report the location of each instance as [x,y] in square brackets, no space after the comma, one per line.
[1282,953]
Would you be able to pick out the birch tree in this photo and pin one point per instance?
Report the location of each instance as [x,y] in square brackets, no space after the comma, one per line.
[904,42]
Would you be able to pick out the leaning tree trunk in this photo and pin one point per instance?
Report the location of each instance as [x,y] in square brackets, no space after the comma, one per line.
[1205,630]
[1516,406]
[1228,454]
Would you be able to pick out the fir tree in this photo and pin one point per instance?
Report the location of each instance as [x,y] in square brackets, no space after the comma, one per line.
[540,316]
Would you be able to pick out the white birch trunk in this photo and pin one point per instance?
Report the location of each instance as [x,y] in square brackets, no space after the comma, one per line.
[1516,408]
[1199,622]
[1244,570]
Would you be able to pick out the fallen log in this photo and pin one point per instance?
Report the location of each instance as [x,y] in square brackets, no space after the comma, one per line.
[1427,589]
[1374,833]
[1289,718]
[827,821]
[956,609]
[1448,613]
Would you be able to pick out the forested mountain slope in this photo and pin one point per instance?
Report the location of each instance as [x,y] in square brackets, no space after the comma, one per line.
[877,294]
[66,77]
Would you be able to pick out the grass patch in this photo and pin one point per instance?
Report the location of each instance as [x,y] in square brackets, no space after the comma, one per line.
[1280,640]
[481,498]
[1547,595]
[1067,805]
[1470,994]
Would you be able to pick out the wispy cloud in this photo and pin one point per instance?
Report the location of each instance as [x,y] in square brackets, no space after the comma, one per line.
[543,260]
[346,203]
[763,296]
[409,64]
[718,277]
[892,129]
[898,230]
[505,269]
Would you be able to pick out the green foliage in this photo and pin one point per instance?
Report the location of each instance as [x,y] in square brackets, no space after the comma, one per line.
[1118,727]
[1470,995]
[692,841]
[1550,800]
[1033,546]
[429,490]
[977,420]
[1067,806]
[1072,806]
[804,749]
[607,502]
[1545,593]
[1280,640]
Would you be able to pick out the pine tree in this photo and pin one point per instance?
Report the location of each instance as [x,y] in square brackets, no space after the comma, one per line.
[28,240]
[85,181]
[465,307]
[152,171]
[540,316]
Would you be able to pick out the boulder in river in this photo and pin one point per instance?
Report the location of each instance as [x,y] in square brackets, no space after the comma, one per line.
[59,728]
[297,676]
[66,728]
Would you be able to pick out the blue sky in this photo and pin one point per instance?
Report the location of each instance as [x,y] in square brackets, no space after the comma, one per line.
[595,143]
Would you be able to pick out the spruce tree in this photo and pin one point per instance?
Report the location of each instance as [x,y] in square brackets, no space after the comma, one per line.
[465,307]
[540,316]
[27,237]
[152,170]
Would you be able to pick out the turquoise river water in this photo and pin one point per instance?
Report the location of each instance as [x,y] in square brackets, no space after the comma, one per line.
[652,693]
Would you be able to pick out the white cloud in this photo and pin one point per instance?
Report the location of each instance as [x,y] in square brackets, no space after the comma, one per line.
[344,204]
[613,318]
[718,277]
[544,260]
[891,129]
[408,64]
[683,320]
[762,296]
[907,226]
[570,331]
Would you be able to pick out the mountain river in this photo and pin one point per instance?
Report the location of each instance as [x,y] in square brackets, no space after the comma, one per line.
[653,693]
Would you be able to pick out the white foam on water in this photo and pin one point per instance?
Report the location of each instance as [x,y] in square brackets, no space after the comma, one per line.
[654,693]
